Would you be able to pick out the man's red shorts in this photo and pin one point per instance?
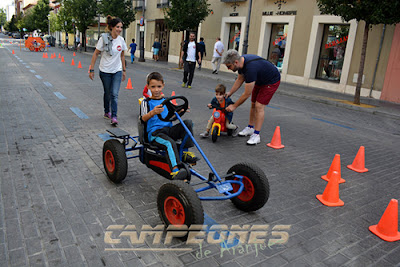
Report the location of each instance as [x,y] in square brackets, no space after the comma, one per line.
[263,93]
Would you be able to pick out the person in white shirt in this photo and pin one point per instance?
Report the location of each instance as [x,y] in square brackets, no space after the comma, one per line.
[190,54]
[112,67]
[216,60]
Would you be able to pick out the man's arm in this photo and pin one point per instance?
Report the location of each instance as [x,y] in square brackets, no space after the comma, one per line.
[248,88]
[239,81]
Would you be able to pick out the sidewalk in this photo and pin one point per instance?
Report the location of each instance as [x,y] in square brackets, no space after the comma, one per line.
[370,105]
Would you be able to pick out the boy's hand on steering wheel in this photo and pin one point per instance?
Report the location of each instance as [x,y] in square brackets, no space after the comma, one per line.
[158,109]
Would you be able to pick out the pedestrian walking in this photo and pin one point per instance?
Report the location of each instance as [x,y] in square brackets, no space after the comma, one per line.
[261,79]
[218,51]
[132,48]
[112,67]
[156,49]
[190,54]
[202,47]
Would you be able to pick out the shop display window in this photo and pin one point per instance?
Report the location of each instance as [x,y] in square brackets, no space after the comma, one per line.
[277,44]
[234,36]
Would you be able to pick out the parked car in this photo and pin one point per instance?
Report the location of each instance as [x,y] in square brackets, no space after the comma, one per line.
[16,35]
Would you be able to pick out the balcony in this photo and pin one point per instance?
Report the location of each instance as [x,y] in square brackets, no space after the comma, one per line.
[163,3]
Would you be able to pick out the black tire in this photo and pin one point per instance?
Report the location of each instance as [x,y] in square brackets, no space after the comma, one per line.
[214,134]
[256,191]
[179,204]
[114,160]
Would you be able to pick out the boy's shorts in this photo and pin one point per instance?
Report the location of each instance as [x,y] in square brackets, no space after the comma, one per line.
[263,93]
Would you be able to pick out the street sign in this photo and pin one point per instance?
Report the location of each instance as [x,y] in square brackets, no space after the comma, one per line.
[141,28]
[141,21]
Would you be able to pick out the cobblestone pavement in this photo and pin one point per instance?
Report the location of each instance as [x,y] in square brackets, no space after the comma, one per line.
[56,202]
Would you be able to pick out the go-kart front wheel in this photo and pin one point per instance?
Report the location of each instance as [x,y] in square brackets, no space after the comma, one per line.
[214,134]
[256,187]
[114,160]
[179,204]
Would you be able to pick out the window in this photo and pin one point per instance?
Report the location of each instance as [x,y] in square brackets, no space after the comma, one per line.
[138,4]
[277,44]
[234,36]
[332,52]
[163,3]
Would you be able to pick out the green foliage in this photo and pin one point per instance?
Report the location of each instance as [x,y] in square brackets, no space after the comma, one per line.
[371,11]
[40,13]
[27,21]
[82,11]
[3,17]
[11,25]
[122,9]
[64,21]
[186,14]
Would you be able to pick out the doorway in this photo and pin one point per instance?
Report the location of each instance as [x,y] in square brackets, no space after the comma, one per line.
[162,33]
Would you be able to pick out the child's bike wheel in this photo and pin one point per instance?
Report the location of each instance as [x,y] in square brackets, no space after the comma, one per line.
[114,160]
[256,187]
[178,204]
[214,134]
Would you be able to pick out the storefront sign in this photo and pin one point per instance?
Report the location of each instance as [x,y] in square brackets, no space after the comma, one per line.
[279,13]
[234,14]
[336,42]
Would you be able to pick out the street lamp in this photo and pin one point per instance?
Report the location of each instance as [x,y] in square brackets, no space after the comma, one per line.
[141,59]
[73,25]
[98,24]
[48,16]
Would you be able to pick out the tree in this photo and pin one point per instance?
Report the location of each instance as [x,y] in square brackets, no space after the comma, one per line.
[370,11]
[185,15]
[40,13]
[27,21]
[122,9]
[84,13]
[3,17]
[11,25]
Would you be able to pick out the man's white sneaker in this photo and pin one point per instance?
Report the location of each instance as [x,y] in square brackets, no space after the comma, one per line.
[254,139]
[246,131]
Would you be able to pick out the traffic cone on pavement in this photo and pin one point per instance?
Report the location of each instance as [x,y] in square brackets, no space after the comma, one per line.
[13,52]
[59,55]
[358,164]
[330,197]
[79,65]
[74,54]
[72,62]
[387,228]
[62,59]
[335,166]
[129,85]
[46,55]
[276,139]
[173,100]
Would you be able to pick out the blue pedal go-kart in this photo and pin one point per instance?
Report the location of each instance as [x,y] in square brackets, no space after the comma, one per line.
[179,202]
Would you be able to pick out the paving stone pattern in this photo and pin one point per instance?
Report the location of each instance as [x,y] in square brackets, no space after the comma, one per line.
[56,201]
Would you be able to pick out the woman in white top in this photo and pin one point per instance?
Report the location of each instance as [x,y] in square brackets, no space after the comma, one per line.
[112,67]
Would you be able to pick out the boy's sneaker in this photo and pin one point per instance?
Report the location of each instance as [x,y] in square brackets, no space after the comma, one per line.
[179,175]
[246,131]
[189,86]
[236,131]
[254,139]
[107,115]
[189,157]
[205,134]
[183,84]
[114,121]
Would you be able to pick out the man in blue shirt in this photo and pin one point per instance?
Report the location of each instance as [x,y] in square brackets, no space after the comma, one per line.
[261,79]
[132,47]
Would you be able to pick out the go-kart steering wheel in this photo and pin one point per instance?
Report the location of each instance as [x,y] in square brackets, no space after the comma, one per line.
[181,109]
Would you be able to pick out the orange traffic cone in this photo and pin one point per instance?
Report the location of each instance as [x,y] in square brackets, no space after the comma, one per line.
[129,85]
[13,52]
[59,55]
[74,54]
[51,56]
[72,62]
[79,65]
[173,100]
[387,228]
[62,59]
[44,56]
[335,166]
[358,164]
[330,197]
[276,139]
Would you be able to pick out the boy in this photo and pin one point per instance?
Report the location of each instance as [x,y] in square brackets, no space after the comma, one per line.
[220,101]
[132,47]
[163,134]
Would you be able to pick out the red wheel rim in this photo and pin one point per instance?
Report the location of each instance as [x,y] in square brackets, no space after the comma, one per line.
[174,211]
[110,163]
[248,190]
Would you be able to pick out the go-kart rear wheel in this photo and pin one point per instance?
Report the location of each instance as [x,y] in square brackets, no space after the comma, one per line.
[31,48]
[114,160]
[256,187]
[214,134]
[179,204]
